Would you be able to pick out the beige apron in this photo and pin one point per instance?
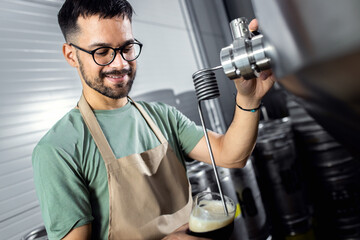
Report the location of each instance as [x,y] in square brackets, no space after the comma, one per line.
[149,193]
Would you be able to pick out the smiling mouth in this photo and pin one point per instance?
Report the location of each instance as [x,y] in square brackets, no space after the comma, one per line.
[117,76]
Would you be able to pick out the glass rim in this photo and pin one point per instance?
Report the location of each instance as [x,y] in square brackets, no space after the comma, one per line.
[228,200]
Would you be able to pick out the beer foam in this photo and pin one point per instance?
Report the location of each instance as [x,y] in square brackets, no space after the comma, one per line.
[210,216]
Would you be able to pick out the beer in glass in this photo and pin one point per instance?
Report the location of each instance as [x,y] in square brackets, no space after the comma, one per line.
[209,219]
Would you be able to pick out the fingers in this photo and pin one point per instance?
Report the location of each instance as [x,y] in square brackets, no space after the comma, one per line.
[181,234]
[253,25]
[265,74]
[182,228]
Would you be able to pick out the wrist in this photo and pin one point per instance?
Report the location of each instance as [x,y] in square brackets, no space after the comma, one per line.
[247,102]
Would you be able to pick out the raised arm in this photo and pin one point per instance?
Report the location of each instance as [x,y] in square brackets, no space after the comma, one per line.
[234,147]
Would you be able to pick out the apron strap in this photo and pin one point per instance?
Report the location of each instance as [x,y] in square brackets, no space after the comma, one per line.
[95,130]
[150,122]
[98,135]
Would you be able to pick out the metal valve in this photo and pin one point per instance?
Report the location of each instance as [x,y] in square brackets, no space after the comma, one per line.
[246,56]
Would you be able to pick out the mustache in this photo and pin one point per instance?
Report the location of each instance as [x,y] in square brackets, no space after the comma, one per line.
[117,72]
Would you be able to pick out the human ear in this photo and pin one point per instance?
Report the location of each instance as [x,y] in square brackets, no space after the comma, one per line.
[69,54]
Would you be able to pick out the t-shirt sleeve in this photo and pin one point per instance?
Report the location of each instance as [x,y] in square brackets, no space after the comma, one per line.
[189,133]
[61,190]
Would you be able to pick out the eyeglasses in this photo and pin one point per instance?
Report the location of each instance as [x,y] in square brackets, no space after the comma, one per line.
[105,55]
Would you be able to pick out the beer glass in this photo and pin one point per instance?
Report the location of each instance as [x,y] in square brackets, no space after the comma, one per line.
[208,218]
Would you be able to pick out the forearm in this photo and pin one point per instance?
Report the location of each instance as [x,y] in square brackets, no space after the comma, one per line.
[239,141]
[237,144]
[232,149]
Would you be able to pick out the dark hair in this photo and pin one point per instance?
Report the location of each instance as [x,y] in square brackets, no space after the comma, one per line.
[72,9]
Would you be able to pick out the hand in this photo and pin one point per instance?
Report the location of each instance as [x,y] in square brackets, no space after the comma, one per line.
[180,234]
[251,91]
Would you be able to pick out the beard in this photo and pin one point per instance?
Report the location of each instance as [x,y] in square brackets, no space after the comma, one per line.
[120,90]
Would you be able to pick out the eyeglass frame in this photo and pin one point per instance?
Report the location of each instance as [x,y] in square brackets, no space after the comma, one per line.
[120,49]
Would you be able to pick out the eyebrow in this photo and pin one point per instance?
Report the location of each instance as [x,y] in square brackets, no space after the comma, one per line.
[101,44]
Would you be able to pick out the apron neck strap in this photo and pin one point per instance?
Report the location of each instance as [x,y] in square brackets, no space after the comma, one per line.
[98,135]
[95,130]
[150,122]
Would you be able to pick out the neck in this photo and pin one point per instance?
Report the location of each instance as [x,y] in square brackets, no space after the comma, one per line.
[97,101]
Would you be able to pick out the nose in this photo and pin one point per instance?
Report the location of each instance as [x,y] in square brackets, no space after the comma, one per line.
[118,61]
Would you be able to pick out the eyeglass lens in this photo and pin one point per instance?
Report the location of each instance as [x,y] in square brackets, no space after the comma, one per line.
[105,55]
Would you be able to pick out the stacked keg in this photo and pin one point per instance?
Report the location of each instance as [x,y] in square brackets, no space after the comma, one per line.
[251,204]
[280,181]
[334,178]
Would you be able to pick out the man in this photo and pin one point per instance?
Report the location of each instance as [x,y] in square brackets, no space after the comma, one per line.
[112,168]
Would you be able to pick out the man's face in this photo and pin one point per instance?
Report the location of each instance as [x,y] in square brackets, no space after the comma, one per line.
[114,80]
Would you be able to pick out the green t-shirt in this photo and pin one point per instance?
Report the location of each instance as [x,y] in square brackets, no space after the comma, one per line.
[69,172]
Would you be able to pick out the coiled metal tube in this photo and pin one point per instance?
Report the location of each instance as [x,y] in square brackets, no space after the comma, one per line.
[206,88]
[205,83]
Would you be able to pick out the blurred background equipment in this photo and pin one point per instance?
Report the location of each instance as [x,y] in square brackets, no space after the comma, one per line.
[314,47]
[36,234]
[333,177]
[280,179]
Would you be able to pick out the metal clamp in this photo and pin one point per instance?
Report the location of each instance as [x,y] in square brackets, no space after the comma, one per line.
[246,56]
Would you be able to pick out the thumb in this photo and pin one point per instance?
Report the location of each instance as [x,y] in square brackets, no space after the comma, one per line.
[253,25]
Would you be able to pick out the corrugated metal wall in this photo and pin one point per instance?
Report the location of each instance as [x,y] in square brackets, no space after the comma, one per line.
[38,86]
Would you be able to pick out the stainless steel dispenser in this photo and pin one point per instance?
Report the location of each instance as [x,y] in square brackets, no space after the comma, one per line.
[247,55]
